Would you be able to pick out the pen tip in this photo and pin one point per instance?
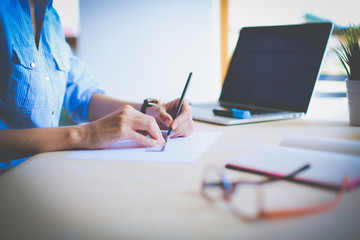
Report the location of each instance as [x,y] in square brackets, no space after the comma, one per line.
[167,138]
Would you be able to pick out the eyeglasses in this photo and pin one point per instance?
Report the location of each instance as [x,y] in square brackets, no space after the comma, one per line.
[246,198]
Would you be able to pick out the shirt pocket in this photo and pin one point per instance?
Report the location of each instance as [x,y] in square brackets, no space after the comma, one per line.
[25,87]
[62,59]
[62,62]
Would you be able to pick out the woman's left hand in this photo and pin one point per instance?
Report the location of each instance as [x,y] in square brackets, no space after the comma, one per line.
[164,114]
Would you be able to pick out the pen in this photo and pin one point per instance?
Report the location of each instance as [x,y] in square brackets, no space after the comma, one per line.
[180,105]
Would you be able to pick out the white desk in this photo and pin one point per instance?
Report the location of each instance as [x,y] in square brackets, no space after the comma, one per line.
[50,197]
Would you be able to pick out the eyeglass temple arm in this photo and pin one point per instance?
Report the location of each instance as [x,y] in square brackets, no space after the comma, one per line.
[286,177]
[273,214]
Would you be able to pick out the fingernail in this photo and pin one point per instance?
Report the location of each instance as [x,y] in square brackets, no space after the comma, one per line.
[175,126]
[159,142]
[167,123]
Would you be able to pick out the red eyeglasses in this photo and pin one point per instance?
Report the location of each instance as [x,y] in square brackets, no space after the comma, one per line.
[246,199]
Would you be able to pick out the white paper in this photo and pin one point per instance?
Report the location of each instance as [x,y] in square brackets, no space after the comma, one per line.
[179,150]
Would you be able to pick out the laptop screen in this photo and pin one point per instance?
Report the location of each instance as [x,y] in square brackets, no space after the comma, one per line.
[275,67]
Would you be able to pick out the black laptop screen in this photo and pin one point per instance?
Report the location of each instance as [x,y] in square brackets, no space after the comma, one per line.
[276,67]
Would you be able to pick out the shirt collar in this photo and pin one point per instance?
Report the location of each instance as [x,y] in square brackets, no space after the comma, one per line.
[47,3]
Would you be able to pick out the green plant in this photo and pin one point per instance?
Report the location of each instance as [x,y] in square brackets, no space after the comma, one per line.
[349,52]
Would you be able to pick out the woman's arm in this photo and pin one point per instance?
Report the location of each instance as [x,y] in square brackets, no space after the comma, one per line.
[123,123]
[112,120]
[18,143]
[102,105]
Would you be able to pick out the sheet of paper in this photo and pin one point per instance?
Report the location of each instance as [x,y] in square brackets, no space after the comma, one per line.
[179,150]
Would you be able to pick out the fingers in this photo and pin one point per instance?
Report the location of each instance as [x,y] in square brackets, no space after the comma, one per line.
[138,137]
[124,124]
[159,112]
[165,118]
[148,124]
[183,125]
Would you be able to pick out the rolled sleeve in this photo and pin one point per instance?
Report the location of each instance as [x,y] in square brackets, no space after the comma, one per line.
[80,87]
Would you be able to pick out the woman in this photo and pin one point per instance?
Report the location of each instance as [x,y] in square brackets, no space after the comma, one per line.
[40,75]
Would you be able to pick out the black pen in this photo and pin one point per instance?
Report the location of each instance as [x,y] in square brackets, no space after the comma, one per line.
[180,105]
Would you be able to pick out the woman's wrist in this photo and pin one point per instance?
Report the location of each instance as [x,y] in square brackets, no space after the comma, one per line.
[149,102]
[77,136]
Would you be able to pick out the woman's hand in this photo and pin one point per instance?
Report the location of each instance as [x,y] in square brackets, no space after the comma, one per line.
[124,123]
[164,114]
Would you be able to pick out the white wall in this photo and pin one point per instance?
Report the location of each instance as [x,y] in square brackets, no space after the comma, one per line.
[142,48]
[69,14]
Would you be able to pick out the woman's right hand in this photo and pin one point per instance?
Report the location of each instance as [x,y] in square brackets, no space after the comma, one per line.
[126,123]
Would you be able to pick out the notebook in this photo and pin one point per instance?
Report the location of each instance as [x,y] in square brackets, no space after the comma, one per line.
[330,160]
[272,73]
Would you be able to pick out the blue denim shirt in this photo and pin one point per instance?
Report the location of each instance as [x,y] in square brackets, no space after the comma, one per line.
[35,83]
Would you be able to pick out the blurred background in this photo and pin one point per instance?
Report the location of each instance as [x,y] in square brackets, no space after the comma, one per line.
[141,48]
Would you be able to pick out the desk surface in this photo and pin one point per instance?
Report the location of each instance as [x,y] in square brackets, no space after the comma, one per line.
[50,197]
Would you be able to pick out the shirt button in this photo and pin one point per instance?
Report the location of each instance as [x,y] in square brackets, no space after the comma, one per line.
[32,65]
[47,78]
[52,112]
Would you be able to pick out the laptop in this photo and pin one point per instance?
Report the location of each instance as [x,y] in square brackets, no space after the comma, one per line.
[272,73]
